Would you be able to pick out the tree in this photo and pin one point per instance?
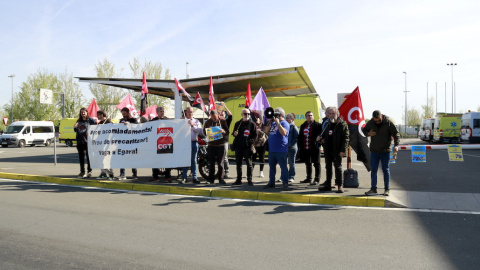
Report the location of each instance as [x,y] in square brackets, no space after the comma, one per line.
[478,109]
[413,117]
[107,97]
[74,99]
[429,111]
[152,71]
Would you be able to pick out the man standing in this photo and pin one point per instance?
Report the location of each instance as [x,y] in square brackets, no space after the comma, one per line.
[278,128]
[292,146]
[196,129]
[216,148]
[227,116]
[381,131]
[309,153]
[335,138]
[245,133]
[156,171]
[127,119]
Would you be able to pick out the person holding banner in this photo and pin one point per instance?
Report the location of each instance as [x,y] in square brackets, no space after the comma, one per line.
[155,171]
[216,130]
[80,128]
[127,119]
[259,145]
[335,138]
[309,153]
[196,129]
[102,120]
[245,134]
[381,130]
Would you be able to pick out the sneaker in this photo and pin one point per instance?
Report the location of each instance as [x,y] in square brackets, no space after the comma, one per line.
[183,181]
[279,180]
[325,188]
[371,192]
[269,185]
[250,183]
[291,180]
[306,181]
[111,175]
[195,181]
[122,177]
[102,176]
[222,182]
[227,176]
[82,175]
[237,183]
[387,192]
[286,188]
[261,174]
[89,175]
[314,183]
[340,189]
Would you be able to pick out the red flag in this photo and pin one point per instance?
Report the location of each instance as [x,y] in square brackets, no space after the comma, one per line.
[144,100]
[198,103]
[151,111]
[128,102]
[351,111]
[210,96]
[248,97]
[92,109]
[5,120]
[182,90]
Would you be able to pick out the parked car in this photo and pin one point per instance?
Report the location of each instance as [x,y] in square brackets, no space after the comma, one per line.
[31,133]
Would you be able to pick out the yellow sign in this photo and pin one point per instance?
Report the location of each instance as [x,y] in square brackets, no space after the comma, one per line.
[214,133]
[455,152]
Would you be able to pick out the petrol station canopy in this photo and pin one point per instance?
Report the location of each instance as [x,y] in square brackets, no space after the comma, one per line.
[282,82]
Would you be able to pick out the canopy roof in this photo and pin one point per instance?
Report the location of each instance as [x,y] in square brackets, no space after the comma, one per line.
[275,82]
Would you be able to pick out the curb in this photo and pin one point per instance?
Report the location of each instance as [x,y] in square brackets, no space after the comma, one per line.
[206,192]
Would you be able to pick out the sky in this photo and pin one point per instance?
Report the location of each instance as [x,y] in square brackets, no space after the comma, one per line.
[341,44]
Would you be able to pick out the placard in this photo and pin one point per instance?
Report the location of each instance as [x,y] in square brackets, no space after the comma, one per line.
[419,153]
[455,152]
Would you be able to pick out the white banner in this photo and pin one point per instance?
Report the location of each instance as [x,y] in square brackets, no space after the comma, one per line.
[156,144]
[46,96]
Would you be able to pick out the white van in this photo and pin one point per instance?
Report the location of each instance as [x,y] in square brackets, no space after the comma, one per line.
[31,133]
[470,131]
[426,129]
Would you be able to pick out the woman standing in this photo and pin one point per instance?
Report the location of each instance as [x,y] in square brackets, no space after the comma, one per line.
[259,145]
[81,127]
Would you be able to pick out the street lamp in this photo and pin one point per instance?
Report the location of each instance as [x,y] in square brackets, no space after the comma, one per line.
[405,101]
[11,120]
[452,64]
[186,69]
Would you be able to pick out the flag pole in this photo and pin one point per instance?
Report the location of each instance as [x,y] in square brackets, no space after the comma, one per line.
[349,157]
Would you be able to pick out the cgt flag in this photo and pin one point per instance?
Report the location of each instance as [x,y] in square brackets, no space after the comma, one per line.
[198,103]
[351,111]
[144,100]
[211,99]
[182,90]
[128,102]
[92,109]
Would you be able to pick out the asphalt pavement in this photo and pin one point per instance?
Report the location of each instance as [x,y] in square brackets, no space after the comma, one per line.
[437,184]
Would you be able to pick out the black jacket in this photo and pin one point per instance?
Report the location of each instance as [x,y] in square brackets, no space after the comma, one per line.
[316,131]
[340,137]
[244,128]
[381,142]
[82,128]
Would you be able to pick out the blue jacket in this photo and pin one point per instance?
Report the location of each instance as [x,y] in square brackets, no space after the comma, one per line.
[292,136]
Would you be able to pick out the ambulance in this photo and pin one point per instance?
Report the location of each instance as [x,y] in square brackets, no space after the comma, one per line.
[446,128]
[426,129]
[470,130]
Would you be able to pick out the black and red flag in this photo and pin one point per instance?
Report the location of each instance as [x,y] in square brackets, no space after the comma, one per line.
[144,100]
[182,90]
[198,103]
[351,111]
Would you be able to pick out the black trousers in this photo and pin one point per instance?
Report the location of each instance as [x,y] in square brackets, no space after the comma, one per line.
[240,155]
[312,157]
[82,152]
[216,154]
[156,173]
[260,154]
[336,161]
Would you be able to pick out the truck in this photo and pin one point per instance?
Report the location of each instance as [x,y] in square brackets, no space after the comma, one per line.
[446,128]
[426,129]
[66,133]
[21,133]
[470,129]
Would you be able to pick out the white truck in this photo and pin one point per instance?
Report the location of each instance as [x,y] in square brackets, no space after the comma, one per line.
[31,133]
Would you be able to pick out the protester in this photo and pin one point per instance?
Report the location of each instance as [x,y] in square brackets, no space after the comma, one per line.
[277,129]
[245,133]
[127,119]
[227,116]
[196,130]
[156,171]
[309,153]
[259,146]
[216,148]
[292,146]
[80,128]
[381,130]
[102,119]
[335,138]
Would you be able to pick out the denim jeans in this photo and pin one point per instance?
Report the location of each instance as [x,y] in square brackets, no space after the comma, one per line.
[375,158]
[193,162]
[292,155]
[279,158]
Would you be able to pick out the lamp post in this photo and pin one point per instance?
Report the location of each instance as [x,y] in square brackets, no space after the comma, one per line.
[186,69]
[452,64]
[405,101]
[11,120]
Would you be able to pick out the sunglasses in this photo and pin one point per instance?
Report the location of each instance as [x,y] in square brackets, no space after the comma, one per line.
[245,113]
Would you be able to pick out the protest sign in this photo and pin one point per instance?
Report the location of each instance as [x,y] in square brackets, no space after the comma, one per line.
[214,133]
[419,153]
[455,152]
[157,144]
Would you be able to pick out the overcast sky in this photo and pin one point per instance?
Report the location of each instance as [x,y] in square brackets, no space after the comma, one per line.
[341,44]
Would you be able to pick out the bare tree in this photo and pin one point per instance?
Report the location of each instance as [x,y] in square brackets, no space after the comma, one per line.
[429,111]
